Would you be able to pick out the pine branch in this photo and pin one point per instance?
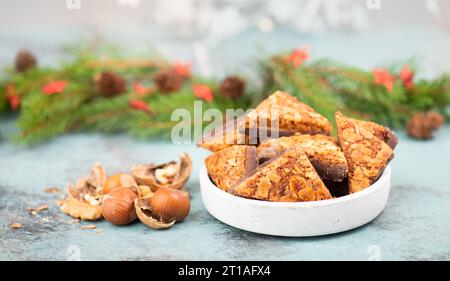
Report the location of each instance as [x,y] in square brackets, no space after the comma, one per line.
[329,86]
[325,85]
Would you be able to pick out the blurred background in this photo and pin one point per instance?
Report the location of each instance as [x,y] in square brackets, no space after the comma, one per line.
[225,36]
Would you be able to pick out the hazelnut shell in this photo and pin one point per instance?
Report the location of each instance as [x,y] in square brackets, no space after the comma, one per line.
[97,177]
[145,174]
[76,206]
[76,203]
[145,215]
[79,210]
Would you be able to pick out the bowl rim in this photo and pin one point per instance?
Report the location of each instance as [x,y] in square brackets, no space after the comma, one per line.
[385,176]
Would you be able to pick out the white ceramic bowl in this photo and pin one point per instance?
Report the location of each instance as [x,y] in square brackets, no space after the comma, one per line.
[296,219]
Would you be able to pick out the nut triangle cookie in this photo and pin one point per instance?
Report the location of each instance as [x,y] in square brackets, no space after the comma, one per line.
[323,152]
[224,136]
[383,133]
[291,115]
[289,177]
[230,165]
[367,156]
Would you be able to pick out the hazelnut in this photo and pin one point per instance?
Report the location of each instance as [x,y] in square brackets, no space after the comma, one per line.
[171,174]
[119,180]
[118,206]
[170,204]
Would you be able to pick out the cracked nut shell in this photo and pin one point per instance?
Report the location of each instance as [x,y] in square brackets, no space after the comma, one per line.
[171,174]
[83,200]
[146,216]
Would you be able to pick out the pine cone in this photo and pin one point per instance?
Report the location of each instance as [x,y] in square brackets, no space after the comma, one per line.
[24,61]
[110,84]
[168,81]
[423,124]
[232,87]
[436,120]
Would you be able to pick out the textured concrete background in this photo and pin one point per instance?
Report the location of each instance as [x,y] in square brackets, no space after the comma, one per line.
[415,224]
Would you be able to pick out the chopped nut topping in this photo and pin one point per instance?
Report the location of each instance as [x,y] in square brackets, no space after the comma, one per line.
[230,165]
[367,156]
[323,152]
[289,177]
[291,114]
[383,133]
